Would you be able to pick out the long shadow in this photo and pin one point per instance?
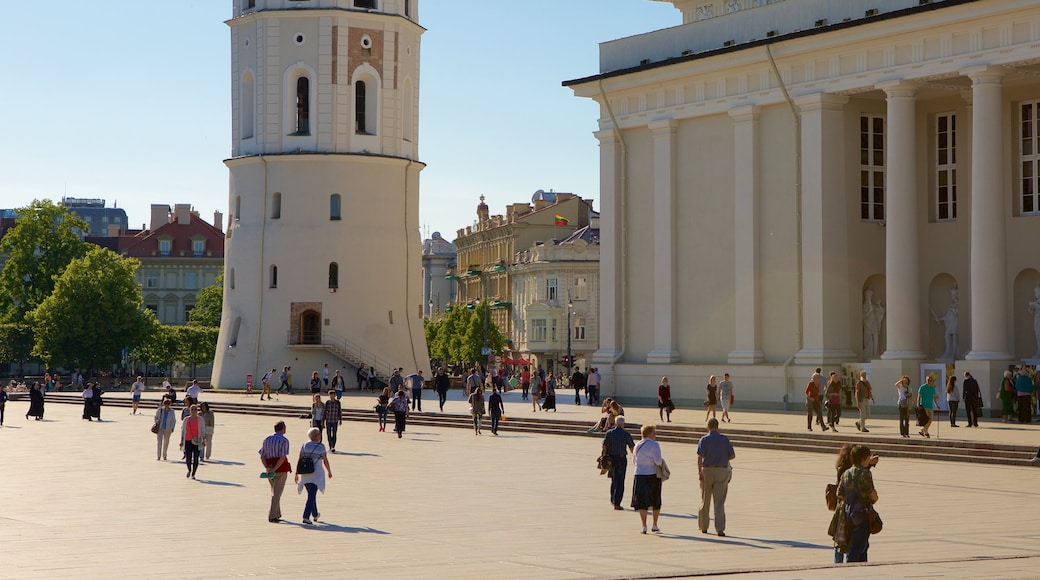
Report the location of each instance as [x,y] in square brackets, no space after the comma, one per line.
[516,437]
[794,544]
[356,454]
[324,527]
[9,427]
[221,462]
[681,516]
[714,540]
[220,483]
[427,440]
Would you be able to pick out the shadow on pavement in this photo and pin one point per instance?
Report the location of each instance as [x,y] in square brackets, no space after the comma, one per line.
[356,454]
[222,462]
[221,483]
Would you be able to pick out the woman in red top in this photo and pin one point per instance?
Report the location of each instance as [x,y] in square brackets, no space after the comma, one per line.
[664,399]
[191,440]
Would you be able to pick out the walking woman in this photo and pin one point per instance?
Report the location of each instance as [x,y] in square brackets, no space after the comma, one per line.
[841,542]
[856,493]
[476,408]
[550,393]
[664,399]
[317,413]
[646,492]
[400,408]
[315,383]
[536,392]
[88,402]
[315,481]
[903,402]
[382,404]
[1007,396]
[191,440]
[833,396]
[209,421]
[953,399]
[712,397]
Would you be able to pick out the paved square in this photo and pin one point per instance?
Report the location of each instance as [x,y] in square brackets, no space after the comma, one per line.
[88,500]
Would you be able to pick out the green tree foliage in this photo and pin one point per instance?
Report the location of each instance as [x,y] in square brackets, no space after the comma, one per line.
[94,312]
[208,305]
[196,345]
[160,345]
[459,335]
[39,248]
[16,342]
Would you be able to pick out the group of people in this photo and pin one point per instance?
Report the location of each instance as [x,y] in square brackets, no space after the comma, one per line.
[197,423]
[312,468]
[327,415]
[1018,395]
[717,394]
[855,497]
[714,473]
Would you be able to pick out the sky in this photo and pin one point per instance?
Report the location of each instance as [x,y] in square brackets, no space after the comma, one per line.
[130,101]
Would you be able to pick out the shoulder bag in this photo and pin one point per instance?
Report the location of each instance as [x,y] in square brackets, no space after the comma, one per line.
[305,465]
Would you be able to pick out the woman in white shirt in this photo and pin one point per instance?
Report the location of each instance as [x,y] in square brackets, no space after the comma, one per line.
[903,402]
[646,492]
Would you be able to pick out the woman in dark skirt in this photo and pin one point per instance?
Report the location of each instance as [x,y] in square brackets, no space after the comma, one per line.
[550,393]
[96,401]
[35,402]
[646,493]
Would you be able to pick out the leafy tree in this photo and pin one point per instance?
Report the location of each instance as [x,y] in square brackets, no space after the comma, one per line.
[39,247]
[208,305]
[16,342]
[94,313]
[159,347]
[195,344]
[474,335]
[459,335]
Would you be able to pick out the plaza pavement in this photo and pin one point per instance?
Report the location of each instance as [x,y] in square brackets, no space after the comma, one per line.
[88,500]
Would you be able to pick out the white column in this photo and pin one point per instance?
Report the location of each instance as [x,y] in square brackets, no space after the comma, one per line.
[665,350]
[902,252]
[826,326]
[611,307]
[989,283]
[747,349]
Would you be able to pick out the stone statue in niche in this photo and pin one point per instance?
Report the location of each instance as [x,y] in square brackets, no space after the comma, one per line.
[949,322]
[1034,308]
[873,314]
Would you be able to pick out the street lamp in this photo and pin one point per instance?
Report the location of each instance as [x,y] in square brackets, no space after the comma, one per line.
[570,358]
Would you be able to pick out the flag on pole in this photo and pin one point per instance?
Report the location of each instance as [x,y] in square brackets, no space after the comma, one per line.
[561,221]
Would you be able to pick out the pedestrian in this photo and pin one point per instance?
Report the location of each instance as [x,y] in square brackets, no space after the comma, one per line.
[337,385]
[265,381]
[646,490]
[476,408]
[36,403]
[88,402]
[664,400]
[415,382]
[194,391]
[972,399]
[593,382]
[525,383]
[473,383]
[400,408]
[926,399]
[726,398]
[441,384]
[325,375]
[1024,391]
[550,393]
[165,422]
[953,399]
[714,454]
[616,444]
[1007,396]
[832,394]
[333,418]
[371,377]
[288,380]
[536,391]
[274,454]
[283,380]
[903,402]
[3,402]
[209,422]
[578,383]
[812,402]
[711,398]
[864,399]
[315,481]
[317,413]
[361,377]
[191,440]
[496,409]
[382,405]
[136,389]
[315,383]
[856,494]
[841,544]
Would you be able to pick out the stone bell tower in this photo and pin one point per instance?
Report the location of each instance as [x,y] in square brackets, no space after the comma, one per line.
[323,254]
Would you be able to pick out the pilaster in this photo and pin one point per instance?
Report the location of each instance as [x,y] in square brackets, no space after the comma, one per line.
[665,350]
[746,175]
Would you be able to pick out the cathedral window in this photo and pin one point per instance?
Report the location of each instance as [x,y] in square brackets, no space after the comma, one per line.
[333,275]
[1029,157]
[248,111]
[872,168]
[274,276]
[946,167]
[360,106]
[303,106]
[334,207]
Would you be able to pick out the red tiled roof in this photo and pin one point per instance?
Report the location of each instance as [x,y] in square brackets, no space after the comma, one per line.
[146,243]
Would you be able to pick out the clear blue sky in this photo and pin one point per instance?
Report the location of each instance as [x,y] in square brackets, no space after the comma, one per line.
[129,101]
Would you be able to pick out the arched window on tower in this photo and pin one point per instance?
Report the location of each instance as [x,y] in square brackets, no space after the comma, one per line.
[333,276]
[334,207]
[303,106]
[248,105]
[274,276]
[360,108]
[276,205]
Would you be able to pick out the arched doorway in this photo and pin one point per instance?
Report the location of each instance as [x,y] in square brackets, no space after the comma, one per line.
[310,328]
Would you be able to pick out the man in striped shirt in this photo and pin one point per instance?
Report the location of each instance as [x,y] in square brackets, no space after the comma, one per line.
[274,454]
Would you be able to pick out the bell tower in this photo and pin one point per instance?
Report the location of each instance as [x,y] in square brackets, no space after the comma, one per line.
[323,256]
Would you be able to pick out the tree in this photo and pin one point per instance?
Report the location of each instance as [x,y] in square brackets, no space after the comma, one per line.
[196,344]
[459,336]
[39,247]
[94,313]
[208,305]
[159,347]
[16,342]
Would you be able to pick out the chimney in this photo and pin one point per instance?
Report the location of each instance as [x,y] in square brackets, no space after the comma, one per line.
[160,216]
[218,220]
[182,211]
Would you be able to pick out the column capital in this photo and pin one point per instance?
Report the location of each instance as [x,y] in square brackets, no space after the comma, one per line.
[821,102]
[984,74]
[745,113]
[663,126]
[898,88]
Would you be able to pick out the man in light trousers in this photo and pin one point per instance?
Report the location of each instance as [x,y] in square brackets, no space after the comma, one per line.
[714,453]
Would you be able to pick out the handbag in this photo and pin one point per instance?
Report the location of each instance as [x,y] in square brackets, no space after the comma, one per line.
[305,465]
[831,496]
[671,406]
[732,400]
[605,464]
[155,427]
[663,473]
[874,520]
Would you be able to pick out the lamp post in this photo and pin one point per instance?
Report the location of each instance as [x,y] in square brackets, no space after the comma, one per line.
[570,360]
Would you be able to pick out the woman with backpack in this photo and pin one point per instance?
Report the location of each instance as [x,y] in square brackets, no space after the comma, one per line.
[311,467]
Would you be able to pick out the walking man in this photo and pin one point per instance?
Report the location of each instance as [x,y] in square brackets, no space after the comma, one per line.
[714,453]
[593,383]
[266,382]
[283,380]
[325,375]
[617,443]
[415,382]
[812,402]
[441,384]
[274,454]
[333,416]
[525,382]
[864,393]
[726,396]
[578,382]
[137,388]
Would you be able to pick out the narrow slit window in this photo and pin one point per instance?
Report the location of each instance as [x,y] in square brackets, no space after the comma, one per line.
[360,110]
[334,207]
[333,275]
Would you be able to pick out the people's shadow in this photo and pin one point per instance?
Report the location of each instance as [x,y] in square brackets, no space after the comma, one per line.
[220,483]
[222,462]
[714,540]
[682,516]
[356,454]
[427,440]
[324,527]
